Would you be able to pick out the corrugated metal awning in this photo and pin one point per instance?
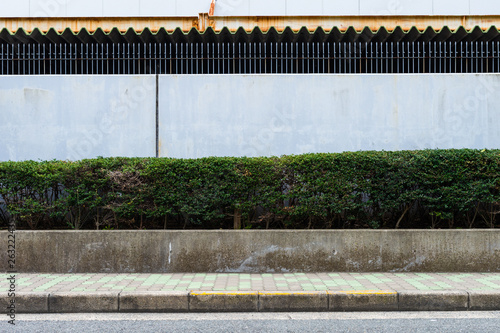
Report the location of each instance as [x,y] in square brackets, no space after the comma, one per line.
[242,36]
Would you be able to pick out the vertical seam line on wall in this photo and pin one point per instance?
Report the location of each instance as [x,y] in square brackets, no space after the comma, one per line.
[157,117]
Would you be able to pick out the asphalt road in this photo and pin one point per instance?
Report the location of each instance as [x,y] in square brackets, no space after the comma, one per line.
[483,322]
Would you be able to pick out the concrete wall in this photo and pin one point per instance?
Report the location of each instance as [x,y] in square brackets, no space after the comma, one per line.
[256,251]
[75,117]
[115,8]
[263,115]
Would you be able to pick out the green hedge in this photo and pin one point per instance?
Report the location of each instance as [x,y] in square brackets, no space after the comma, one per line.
[407,189]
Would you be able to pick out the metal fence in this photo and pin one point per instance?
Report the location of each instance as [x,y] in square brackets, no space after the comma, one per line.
[250,58]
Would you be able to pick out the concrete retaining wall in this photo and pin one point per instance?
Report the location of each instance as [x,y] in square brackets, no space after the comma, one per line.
[255,251]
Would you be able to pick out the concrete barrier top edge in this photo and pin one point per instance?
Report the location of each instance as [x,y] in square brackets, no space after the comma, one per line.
[267,231]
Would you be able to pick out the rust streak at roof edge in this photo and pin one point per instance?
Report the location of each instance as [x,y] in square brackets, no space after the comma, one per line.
[264,23]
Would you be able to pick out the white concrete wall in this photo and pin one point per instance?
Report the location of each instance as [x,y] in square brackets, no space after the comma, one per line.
[76,117]
[264,115]
[106,8]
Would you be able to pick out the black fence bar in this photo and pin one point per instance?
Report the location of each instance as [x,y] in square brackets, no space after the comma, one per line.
[250,58]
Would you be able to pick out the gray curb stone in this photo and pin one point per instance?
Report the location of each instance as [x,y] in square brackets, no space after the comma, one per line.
[481,300]
[83,302]
[224,301]
[293,301]
[154,301]
[447,300]
[364,301]
[28,302]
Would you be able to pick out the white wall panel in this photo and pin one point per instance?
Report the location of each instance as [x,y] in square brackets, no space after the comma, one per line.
[158,8]
[484,7]
[267,8]
[75,117]
[451,7]
[192,7]
[232,7]
[340,7]
[120,8]
[379,7]
[95,8]
[20,8]
[413,7]
[48,8]
[310,7]
[87,8]
[255,115]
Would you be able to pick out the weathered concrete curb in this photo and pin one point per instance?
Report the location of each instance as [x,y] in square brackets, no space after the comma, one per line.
[433,300]
[254,251]
[293,301]
[213,301]
[255,301]
[154,301]
[83,302]
[29,302]
[484,301]
[363,300]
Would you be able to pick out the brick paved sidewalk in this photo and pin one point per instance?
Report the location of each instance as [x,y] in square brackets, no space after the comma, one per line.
[57,293]
[254,282]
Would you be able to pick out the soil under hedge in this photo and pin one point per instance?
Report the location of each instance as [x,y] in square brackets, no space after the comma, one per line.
[405,189]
